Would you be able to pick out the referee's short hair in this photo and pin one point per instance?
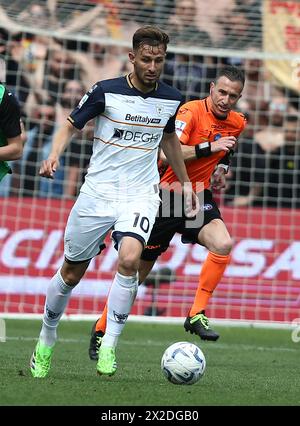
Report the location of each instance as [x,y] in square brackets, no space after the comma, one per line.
[232,73]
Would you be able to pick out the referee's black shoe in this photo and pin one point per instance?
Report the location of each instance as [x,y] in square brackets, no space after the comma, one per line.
[95,343]
[199,324]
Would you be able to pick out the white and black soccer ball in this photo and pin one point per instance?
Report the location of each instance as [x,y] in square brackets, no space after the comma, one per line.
[183,363]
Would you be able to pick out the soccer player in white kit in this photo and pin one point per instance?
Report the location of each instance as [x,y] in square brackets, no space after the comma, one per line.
[134,115]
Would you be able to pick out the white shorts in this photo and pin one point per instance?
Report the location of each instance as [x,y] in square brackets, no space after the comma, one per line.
[92,218]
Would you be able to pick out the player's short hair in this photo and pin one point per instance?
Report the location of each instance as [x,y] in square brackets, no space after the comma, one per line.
[232,73]
[151,35]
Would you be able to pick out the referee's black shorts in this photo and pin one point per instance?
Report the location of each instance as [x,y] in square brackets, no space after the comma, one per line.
[170,220]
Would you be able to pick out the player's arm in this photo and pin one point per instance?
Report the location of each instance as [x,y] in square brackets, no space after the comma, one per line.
[91,105]
[13,150]
[171,147]
[172,150]
[186,126]
[60,141]
[206,148]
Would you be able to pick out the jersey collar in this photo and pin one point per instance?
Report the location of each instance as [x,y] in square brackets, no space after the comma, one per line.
[133,87]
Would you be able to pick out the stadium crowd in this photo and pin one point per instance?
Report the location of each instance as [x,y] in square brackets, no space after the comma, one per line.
[50,74]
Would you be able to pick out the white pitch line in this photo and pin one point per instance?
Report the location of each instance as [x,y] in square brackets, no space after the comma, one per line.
[164,343]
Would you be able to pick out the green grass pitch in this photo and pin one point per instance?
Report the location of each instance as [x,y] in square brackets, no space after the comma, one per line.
[246,366]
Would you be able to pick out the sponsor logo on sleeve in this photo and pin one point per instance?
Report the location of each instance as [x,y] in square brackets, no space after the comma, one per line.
[179,127]
[83,100]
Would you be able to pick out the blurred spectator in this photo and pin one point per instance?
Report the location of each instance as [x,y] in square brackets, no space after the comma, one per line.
[39,138]
[72,92]
[59,67]
[77,160]
[190,74]
[16,79]
[257,90]
[50,76]
[241,173]
[272,136]
[36,15]
[133,14]
[182,28]
[239,32]
[251,163]
[212,17]
[100,62]
[105,13]
[278,174]
[79,151]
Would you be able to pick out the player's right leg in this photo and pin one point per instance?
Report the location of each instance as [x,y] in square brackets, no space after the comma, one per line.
[57,297]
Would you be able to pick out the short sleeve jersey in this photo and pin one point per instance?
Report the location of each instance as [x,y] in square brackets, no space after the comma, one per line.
[129,126]
[195,124]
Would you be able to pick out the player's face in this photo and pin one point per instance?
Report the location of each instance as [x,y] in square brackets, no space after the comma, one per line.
[148,62]
[224,95]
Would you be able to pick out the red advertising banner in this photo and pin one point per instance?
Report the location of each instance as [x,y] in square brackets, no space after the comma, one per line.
[261,283]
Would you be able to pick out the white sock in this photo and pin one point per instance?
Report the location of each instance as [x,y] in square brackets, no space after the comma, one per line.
[58,294]
[120,300]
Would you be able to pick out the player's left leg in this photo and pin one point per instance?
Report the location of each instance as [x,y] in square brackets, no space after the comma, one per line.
[162,233]
[120,300]
[215,237]
[211,233]
[131,231]
[99,327]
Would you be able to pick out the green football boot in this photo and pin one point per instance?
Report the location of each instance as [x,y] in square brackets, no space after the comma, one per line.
[40,361]
[107,361]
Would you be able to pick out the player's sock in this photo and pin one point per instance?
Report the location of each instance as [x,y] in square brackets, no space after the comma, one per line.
[101,322]
[58,294]
[212,271]
[120,300]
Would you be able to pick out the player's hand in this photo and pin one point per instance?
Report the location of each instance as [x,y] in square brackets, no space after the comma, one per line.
[162,163]
[48,167]
[223,144]
[191,207]
[218,181]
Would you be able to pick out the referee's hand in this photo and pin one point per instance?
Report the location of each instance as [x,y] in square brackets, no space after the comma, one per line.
[48,167]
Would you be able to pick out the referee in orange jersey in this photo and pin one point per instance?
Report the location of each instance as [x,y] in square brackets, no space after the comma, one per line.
[208,130]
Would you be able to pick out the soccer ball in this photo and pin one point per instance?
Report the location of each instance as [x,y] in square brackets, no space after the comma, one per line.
[183,363]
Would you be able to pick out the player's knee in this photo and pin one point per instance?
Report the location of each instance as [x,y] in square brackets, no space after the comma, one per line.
[223,247]
[70,275]
[128,264]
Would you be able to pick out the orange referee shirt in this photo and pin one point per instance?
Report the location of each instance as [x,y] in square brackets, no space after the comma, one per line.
[195,123]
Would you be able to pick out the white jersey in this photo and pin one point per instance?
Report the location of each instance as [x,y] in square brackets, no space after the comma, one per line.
[129,126]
